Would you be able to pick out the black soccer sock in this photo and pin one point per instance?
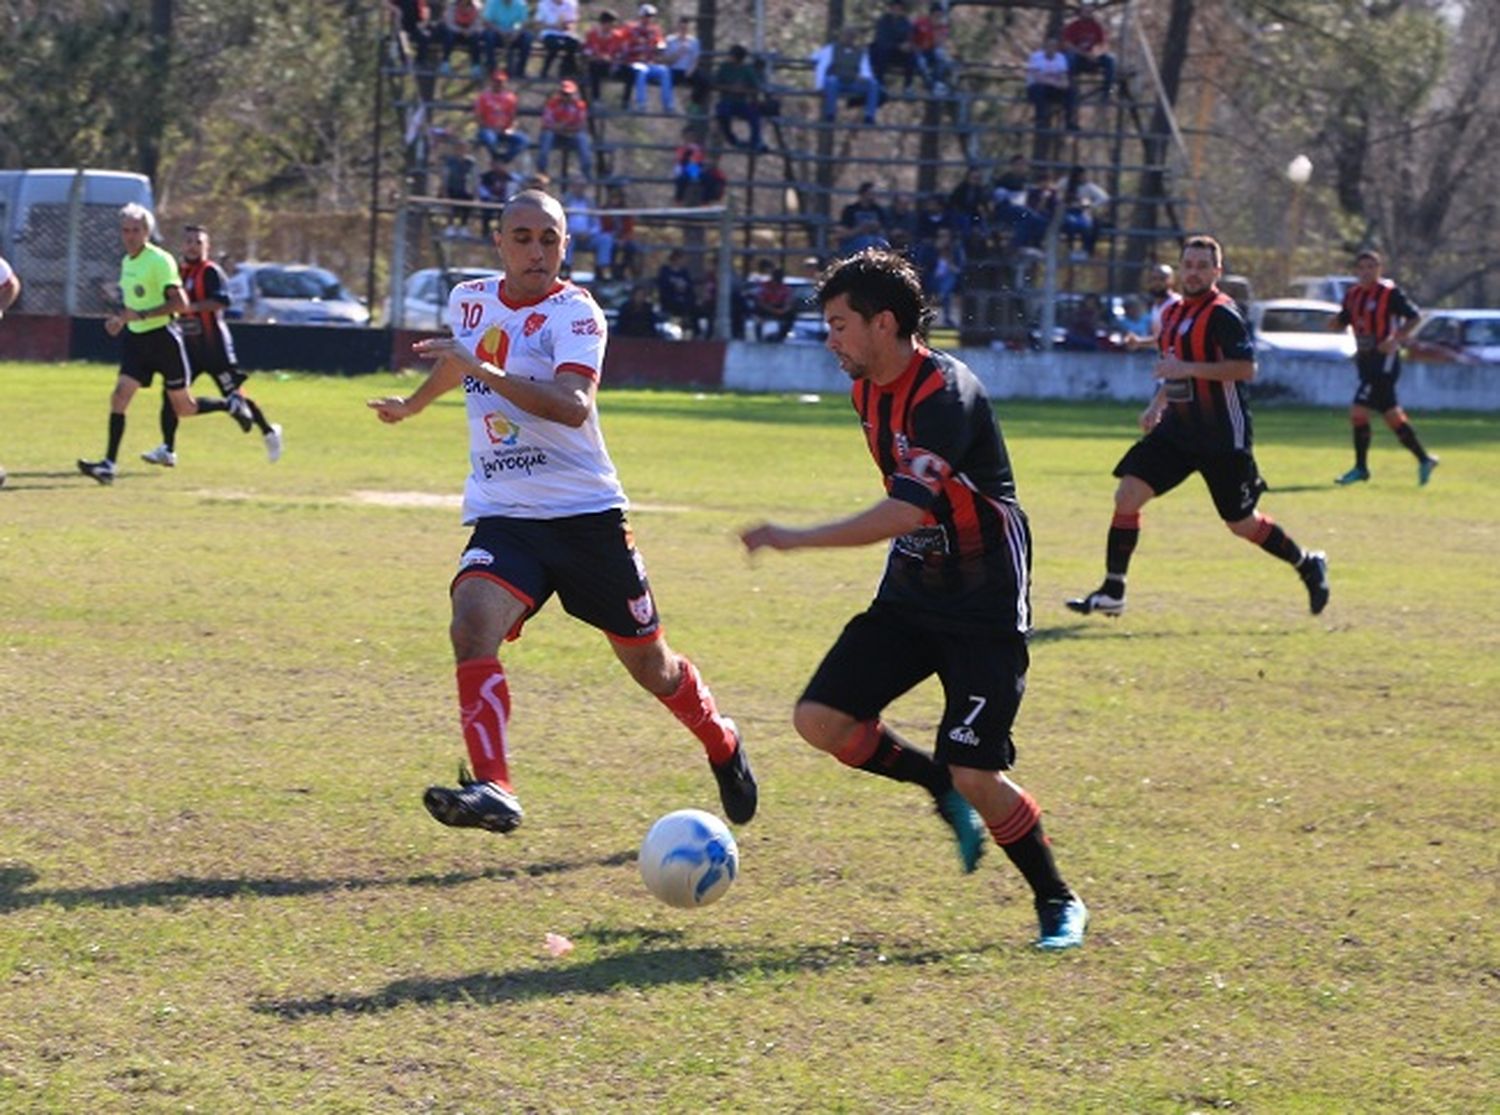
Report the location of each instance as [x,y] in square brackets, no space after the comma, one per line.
[257,415]
[1361,445]
[1408,437]
[1275,541]
[1021,837]
[169,423]
[875,748]
[116,434]
[210,406]
[1119,546]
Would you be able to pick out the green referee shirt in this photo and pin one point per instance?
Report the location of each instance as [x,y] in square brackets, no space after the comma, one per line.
[144,280]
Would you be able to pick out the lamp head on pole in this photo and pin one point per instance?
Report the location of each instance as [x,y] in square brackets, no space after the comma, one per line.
[1299,170]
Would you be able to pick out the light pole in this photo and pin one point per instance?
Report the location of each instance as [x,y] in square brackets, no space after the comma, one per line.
[1298,173]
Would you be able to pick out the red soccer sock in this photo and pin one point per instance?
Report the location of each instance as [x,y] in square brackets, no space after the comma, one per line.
[693,704]
[484,706]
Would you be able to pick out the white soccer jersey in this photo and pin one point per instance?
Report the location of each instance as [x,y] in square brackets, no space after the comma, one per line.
[524,466]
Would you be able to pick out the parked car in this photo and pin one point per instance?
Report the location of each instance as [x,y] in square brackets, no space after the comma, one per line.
[292,294]
[1326,288]
[1457,336]
[424,296]
[1299,327]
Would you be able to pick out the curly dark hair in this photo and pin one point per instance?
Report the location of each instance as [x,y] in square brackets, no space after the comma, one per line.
[876,280]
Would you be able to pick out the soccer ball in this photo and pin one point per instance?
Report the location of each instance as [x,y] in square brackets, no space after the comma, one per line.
[689,859]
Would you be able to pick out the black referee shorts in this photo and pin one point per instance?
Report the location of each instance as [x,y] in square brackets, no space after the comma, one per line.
[160,350]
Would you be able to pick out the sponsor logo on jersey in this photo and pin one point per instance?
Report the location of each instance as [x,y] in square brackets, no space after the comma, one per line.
[501,430]
[494,346]
[472,284]
[965,735]
[641,608]
[475,557]
[585,327]
[534,323]
[514,461]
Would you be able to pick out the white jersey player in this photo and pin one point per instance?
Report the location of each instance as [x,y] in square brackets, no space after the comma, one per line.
[547,510]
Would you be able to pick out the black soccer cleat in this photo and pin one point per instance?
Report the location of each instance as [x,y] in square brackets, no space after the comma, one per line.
[102,471]
[1098,601]
[474,805]
[737,790]
[1314,574]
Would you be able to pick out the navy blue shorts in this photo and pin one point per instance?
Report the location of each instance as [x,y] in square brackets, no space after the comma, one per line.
[590,561]
[882,654]
[1232,475]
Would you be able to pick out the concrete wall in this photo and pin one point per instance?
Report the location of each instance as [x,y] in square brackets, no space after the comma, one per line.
[1121,377]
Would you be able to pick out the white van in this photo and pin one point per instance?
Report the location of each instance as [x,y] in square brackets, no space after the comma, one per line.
[60,230]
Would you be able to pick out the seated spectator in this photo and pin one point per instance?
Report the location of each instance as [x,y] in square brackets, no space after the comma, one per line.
[459,178]
[507,40]
[681,54]
[866,234]
[941,263]
[414,29]
[687,170]
[1083,201]
[583,223]
[929,44]
[1084,326]
[638,317]
[715,182]
[1083,41]
[891,45]
[1047,86]
[616,254]
[557,32]
[774,303]
[461,25]
[969,210]
[565,122]
[842,69]
[1137,320]
[642,59]
[901,217]
[497,185]
[603,50]
[863,208]
[675,292]
[932,216]
[739,86]
[1010,185]
[495,111]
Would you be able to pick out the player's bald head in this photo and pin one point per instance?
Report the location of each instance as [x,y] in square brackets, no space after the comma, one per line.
[531,201]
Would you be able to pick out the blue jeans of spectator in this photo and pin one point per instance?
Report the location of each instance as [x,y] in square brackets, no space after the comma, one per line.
[1047,98]
[1104,65]
[1076,222]
[652,73]
[505,144]
[580,143]
[833,89]
[733,109]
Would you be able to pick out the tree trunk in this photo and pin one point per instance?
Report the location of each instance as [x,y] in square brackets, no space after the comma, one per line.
[153,107]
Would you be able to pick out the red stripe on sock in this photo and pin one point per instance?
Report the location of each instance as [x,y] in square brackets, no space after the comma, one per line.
[693,705]
[1016,824]
[860,745]
[1131,521]
[1263,525]
[484,711]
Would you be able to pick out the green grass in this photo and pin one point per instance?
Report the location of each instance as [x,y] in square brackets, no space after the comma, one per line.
[223,687]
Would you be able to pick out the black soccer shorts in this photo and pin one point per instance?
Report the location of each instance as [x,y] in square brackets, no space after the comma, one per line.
[1378,373]
[882,654]
[1232,476]
[590,561]
[159,350]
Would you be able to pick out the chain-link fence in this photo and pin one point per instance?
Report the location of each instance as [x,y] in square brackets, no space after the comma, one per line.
[65,245]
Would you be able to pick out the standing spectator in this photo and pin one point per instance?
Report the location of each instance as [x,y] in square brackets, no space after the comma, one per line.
[414,30]
[864,208]
[1047,89]
[1083,40]
[210,349]
[1383,318]
[1159,280]
[674,291]
[638,317]
[152,293]
[1199,421]
[739,85]
[929,44]
[681,54]
[954,600]
[508,39]
[548,512]
[557,32]
[461,24]
[643,62]
[842,69]
[565,122]
[774,302]
[495,111]
[603,51]
[892,46]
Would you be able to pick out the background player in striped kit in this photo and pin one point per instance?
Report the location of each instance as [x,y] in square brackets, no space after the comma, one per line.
[1382,317]
[954,600]
[1199,421]
[547,510]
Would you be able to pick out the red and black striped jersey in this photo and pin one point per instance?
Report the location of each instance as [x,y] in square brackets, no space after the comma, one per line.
[1208,413]
[1374,312]
[938,446]
[204,281]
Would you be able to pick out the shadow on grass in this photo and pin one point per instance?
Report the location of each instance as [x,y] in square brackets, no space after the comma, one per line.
[1110,627]
[637,969]
[16,879]
[43,481]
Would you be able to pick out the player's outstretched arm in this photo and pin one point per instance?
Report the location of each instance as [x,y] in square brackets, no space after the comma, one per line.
[887,519]
[444,377]
[568,398]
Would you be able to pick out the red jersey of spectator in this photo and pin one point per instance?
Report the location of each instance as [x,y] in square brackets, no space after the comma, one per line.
[642,41]
[605,42]
[565,112]
[495,108]
[1083,35]
[929,32]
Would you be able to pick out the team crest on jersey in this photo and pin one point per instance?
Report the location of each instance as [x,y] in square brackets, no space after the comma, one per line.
[475,557]
[641,608]
[140,291]
[534,323]
[501,430]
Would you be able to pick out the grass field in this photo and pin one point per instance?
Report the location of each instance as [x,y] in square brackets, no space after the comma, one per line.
[223,688]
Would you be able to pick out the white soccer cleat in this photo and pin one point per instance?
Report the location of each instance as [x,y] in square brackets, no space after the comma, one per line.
[161,455]
[273,442]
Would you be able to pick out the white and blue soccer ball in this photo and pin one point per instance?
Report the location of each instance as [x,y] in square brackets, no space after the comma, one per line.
[689,859]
